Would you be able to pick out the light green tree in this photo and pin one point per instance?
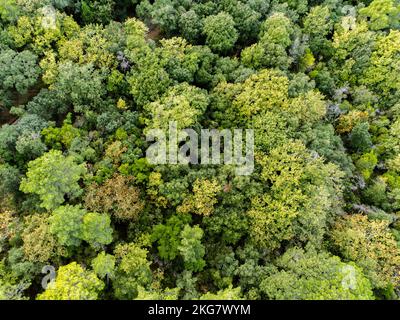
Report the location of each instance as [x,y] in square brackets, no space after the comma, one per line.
[382,14]
[52,177]
[104,265]
[66,225]
[133,270]
[302,196]
[182,103]
[225,294]
[96,229]
[73,283]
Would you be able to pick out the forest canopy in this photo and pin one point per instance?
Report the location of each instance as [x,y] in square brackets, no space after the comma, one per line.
[83,82]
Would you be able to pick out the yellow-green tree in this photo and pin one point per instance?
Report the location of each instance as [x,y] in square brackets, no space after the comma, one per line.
[73,282]
[371,245]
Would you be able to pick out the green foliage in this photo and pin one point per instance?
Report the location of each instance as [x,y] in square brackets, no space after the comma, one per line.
[66,225]
[168,236]
[183,104]
[133,270]
[19,71]
[8,10]
[226,294]
[187,285]
[22,140]
[203,199]
[179,58]
[73,283]
[277,29]
[51,177]
[167,294]
[61,137]
[10,178]
[315,276]
[366,164]
[149,81]
[104,265]
[268,90]
[39,244]
[220,32]
[323,140]
[318,24]
[191,248]
[380,74]
[96,229]
[46,105]
[83,82]
[79,85]
[19,266]
[382,14]
[97,11]
[191,25]
[72,224]
[360,138]
[274,216]
[371,245]
[10,289]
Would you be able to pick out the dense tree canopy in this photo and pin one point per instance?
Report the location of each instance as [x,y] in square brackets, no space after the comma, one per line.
[84,82]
